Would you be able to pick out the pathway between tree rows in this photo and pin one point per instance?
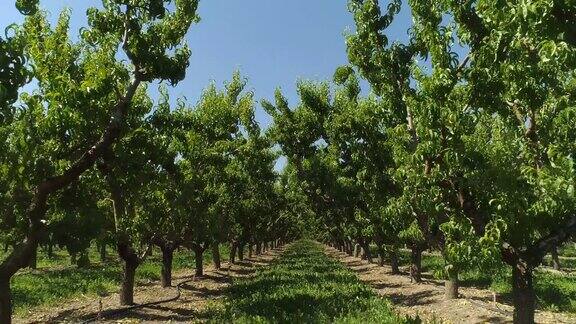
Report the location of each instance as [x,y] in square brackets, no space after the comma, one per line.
[195,302]
[427,298]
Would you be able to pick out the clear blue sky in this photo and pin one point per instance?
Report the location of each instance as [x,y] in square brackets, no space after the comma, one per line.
[273,43]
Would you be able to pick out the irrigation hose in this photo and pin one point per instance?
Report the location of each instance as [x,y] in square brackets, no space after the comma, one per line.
[108,313]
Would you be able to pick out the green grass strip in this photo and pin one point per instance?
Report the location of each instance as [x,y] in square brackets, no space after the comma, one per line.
[304,285]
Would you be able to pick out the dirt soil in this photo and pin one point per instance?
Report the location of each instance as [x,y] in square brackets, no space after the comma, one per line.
[426,299]
[197,297]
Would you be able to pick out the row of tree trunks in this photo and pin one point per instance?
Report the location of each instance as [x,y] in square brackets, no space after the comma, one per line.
[237,250]
[131,261]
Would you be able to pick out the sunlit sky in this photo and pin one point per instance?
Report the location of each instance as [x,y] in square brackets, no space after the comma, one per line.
[273,43]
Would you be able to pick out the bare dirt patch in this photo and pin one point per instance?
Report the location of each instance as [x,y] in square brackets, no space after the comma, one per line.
[426,299]
[196,299]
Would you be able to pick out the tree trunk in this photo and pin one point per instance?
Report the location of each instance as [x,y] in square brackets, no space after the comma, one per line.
[258,248]
[233,248]
[166,272]
[555,259]
[241,252]
[216,255]
[416,266]
[349,248]
[5,301]
[72,258]
[394,260]
[50,250]
[356,250]
[451,285]
[127,290]
[34,259]
[103,253]
[381,255]
[20,257]
[367,255]
[250,250]
[131,262]
[84,260]
[523,295]
[198,255]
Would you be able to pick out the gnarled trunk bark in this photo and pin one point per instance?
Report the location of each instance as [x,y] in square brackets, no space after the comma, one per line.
[451,285]
[523,295]
[198,257]
[5,301]
[416,266]
[394,260]
[367,255]
[241,252]
[166,271]
[127,290]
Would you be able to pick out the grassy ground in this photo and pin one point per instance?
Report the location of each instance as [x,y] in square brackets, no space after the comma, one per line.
[56,280]
[554,292]
[568,250]
[305,286]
